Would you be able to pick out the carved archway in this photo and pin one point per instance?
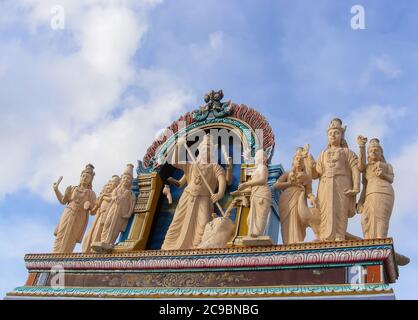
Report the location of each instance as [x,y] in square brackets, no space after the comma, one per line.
[253,131]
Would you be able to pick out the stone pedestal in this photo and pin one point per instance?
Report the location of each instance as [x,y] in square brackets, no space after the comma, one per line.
[350,269]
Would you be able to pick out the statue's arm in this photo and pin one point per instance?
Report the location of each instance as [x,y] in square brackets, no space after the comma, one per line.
[362,158]
[356,178]
[389,176]
[93,202]
[221,188]
[132,204]
[63,198]
[59,195]
[229,168]
[282,182]
[261,180]
[221,185]
[362,198]
[177,183]
[314,167]
[355,172]
[57,192]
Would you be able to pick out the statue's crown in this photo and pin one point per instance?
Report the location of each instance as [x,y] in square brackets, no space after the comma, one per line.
[129,171]
[337,124]
[374,142]
[89,169]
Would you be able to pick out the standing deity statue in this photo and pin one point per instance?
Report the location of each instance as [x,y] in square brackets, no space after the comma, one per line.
[339,183]
[377,198]
[100,211]
[80,200]
[261,197]
[195,205]
[120,210]
[295,216]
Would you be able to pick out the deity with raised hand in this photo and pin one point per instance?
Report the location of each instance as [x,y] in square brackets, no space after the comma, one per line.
[79,201]
[377,198]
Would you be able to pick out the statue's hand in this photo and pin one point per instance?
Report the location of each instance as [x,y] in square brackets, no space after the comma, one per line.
[173,182]
[313,201]
[361,141]
[306,150]
[86,205]
[359,208]
[311,161]
[242,186]
[351,192]
[216,197]
[55,185]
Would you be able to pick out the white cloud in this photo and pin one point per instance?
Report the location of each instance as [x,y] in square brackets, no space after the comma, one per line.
[64,98]
[210,51]
[406,177]
[32,235]
[385,65]
[374,121]
[380,65]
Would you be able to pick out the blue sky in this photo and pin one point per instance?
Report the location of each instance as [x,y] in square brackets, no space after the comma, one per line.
[99,90]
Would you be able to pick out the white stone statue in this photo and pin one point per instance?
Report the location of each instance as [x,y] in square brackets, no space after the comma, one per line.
[377,198]
[80,200]
[295,215]
[261,197]
[100,212]
[217,232]
[120,210]
[339,183]
[195,205]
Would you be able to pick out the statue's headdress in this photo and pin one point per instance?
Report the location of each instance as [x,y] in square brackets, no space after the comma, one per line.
[89,169]
[376,143]
[129,171]
[265,155]
[338,124]
[208,143]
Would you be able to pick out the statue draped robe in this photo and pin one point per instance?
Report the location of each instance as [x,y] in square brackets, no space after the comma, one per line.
[293,227]
[118,214]
[335,169]
[95,232]
[73,222]
[378,204]
[194,208]
[260,206]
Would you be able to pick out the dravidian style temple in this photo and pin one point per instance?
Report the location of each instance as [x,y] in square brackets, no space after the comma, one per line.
[209,216]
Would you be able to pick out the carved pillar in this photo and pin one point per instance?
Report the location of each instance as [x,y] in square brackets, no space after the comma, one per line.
[150,187]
